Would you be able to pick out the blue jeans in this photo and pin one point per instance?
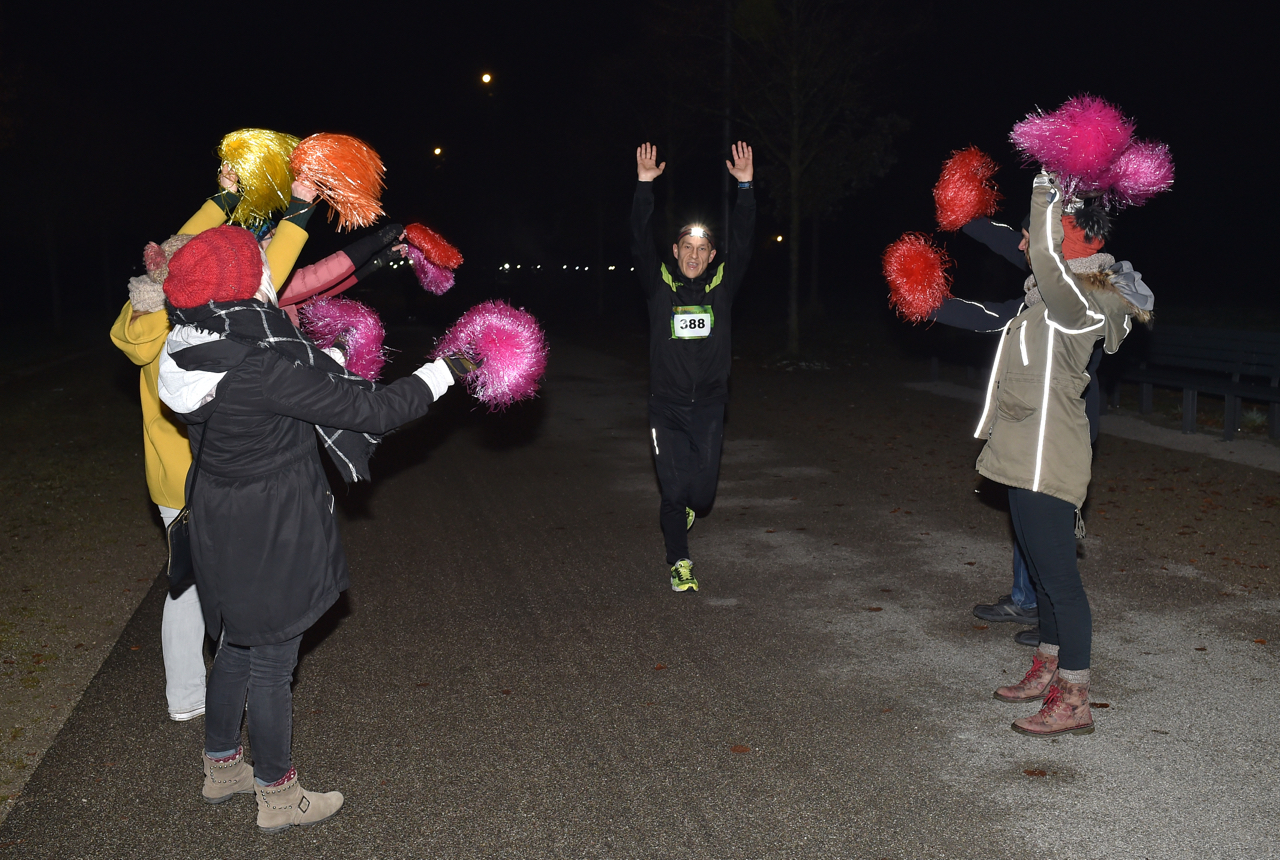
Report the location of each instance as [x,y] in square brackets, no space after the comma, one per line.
[1024,593]
[265,673]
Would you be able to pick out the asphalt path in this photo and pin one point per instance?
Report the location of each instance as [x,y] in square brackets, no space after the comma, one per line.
[510,675]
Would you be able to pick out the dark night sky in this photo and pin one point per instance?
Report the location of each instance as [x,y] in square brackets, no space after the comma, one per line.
[117,115]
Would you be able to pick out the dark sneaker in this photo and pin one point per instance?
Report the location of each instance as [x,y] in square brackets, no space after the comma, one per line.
[1005,609]
[1028,637]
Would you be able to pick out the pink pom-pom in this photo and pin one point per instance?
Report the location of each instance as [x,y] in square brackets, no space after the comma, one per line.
[434,279]
[1079,141]
[354,326]
[509,346]
[916,270]
[1142,171]
[964,190]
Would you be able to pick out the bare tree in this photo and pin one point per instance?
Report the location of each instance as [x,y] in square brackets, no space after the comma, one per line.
[804,91]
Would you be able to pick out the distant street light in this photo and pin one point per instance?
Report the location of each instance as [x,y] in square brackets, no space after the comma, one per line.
[486,77]
[777,238]
[437,150]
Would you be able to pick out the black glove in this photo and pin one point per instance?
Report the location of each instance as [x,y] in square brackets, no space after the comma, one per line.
[460,365]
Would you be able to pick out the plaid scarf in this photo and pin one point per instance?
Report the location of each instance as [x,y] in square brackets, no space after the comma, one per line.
[255,324]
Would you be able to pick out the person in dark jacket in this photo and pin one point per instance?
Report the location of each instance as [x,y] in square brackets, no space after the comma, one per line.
[1084,238]
[690,302]
[265,544]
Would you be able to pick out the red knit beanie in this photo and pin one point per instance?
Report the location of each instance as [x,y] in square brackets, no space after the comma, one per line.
[220,265]
[1074,244]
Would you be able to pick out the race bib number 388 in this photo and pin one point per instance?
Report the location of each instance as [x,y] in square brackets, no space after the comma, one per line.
[691,321]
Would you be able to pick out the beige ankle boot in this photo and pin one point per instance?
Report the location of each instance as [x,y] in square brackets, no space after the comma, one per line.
[1035,684]
[223,779]
[1065,711]
[287,804]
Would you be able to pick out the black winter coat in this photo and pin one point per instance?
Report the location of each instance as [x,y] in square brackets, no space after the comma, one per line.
[268,556]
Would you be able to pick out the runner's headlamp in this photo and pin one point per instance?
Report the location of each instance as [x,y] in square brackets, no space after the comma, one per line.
[698,232]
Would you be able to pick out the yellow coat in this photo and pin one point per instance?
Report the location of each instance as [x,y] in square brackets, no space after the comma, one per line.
[168,455]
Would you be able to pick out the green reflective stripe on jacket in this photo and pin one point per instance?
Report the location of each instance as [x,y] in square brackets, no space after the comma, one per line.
[666,277]
[717,279]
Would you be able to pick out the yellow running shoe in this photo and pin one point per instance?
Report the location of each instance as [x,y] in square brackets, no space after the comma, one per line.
[682,576]
[688,518]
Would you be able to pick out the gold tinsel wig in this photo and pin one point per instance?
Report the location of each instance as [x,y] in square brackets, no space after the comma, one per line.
[260,159]
[346,172]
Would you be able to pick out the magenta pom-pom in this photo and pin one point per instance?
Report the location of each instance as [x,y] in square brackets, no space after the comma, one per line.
[1141,172]
[356,328]
[509,346]
[916,270]
[434,279]
[1079,141]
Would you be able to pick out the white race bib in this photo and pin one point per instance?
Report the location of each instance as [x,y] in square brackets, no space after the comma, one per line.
[691,321]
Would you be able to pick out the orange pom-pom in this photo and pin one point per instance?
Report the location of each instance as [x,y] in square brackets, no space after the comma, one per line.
[433,246]
[346,172]
[964,190]
[916,270]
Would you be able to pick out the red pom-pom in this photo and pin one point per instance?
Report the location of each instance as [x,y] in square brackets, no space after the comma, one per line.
[433,246]
[964,190]
[916,270]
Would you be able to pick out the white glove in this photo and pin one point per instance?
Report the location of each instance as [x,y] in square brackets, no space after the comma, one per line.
[437,377]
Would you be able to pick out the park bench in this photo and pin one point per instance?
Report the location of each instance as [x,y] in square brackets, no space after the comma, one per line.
[1234,365]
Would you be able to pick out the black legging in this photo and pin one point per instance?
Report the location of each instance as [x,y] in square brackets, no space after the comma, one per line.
[1045,527]
[685,441]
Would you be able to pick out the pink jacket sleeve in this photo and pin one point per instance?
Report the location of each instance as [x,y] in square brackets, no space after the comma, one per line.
[316,278]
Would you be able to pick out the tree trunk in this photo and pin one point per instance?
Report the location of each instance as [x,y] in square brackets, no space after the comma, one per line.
[793,207]
[727,141]
[53,300]
[815,293]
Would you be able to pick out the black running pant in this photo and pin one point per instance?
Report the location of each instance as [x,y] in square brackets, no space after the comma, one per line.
[685,440]
[1046,528]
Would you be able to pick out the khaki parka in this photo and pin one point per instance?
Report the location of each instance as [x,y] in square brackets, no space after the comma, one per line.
[1033,419]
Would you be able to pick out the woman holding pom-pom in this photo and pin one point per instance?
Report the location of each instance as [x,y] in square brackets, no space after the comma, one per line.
[1038,446]
[268,557]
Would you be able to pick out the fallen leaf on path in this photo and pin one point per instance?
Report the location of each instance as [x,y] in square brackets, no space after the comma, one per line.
[1099,704]
[740,748]
[768,531]
[875,608]
[506,692]
[1260,641]
[885,710]
[981,626]
[659,667]
[970,563]
[1202,648]
[134,647]
[887,590]
[1035,773]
